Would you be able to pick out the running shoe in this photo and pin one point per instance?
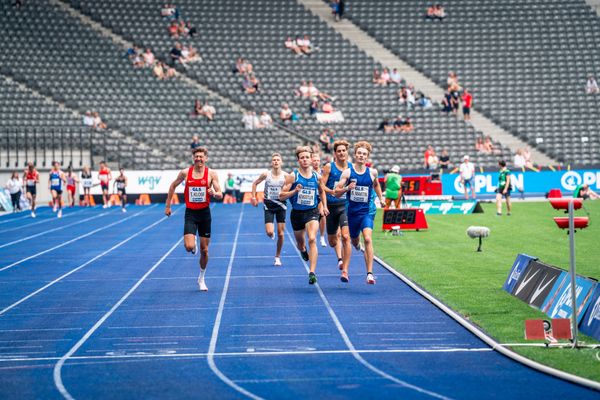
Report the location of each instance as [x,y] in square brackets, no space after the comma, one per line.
[304,255]
[358,247]
[54,209]
[32,214]
[370,279]
[59,215]
[340,264]
[123,210]
[323,243]
[194,250]
[312,278]
[277,262]
[344,277]
[202,285]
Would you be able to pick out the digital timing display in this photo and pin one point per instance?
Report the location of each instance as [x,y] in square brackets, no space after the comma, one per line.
[399,217]
[411,186]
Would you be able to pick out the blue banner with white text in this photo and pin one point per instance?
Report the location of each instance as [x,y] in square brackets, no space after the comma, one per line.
[519,266]
[590,323]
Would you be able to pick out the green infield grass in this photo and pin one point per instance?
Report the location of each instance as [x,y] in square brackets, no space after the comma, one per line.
[443,261]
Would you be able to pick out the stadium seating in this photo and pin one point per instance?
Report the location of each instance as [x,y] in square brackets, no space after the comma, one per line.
[56,54]
[526,63]
[257,30]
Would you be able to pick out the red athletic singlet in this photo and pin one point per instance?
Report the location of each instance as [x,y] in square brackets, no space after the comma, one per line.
[196,190]
[30,178]
[103,176]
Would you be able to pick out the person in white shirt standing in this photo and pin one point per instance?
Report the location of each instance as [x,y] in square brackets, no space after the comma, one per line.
[467,176]
[14,186]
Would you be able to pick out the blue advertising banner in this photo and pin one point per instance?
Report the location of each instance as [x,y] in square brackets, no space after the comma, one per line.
[590,324]
[558,301]
[529,182]
[520,265]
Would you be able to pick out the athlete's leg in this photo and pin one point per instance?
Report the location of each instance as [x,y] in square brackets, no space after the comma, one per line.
[300,242]
[397,203]
[322,230]
[204,242]
[270,229]
[388,202]
[312,228]
[280,237]
[123,200]
[499,203]
[345,247]
[105,197]
[508,206]
[368,242]
[189,242]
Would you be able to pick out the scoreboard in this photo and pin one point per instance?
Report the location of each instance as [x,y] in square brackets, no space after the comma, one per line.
[405,218]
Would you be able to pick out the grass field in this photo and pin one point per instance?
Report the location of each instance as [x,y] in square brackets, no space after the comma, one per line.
[443,261]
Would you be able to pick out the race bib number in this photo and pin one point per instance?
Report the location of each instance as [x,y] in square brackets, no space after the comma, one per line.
[120,185]
[30,182]
[55,182]
[306,197]
[197,194]
[103,178]
[273,192]
[86,183]
[360,194]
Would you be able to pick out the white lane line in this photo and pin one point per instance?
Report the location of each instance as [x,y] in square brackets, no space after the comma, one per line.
[154,327]
[57,374]
[282,335]
[88,262]
[350,345]
[74,240]
[40,330]
[53,230]
[215,333]
[42,221]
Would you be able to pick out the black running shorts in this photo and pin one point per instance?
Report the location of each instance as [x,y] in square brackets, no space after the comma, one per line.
[197,221]
[274,213]
[337,217]
[32,190]
[299,218]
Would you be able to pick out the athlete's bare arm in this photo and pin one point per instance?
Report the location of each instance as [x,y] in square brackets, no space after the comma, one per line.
[324,210]
[180,178]
[214,189]
[325,171]
[341,187]
[125,182]
[376,185]
[286,193]
[258,180]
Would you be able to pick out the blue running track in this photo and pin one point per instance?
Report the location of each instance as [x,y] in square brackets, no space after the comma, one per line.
[104,304]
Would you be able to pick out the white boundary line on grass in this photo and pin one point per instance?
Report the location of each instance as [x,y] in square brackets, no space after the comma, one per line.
[350,345]
[74,239]
[52,230]
[210,357]
[487,339]
[58,367]
[60,278]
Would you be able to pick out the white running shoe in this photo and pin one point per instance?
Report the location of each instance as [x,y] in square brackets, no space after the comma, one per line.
[104,206]
[33,214]
[370,279]
[202,285]
[54,209]
[123,210]
[59,215]
[277,262]
[323,242]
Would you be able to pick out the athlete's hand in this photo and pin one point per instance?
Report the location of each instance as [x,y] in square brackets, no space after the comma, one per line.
[254,201]
[298,187]
[168,210]
[351,185]
[324,211]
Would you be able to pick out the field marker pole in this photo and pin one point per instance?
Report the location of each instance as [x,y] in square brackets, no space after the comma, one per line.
[573,274]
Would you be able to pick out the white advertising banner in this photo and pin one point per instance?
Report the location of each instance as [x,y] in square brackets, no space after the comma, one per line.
[158,182]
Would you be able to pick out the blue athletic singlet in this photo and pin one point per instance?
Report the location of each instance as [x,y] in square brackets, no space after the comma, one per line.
[359,198]
[332,181]
[308,197]
[55,181]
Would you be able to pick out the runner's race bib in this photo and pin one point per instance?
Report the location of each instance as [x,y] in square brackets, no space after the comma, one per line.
[103,178]
[197,194]
[55,182]
[87,183]
[306,197]
[30,182]
[273,192]
[360,194]
[120,185]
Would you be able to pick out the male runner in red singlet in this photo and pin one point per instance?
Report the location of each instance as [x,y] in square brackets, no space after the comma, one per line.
[105,177]
[201,184]
[31,178]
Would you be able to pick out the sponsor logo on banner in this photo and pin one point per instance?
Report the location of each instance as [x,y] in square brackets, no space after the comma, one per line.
[536,283]
[590,324]
[558,301]
[545,285]
[519,266]
[446,207]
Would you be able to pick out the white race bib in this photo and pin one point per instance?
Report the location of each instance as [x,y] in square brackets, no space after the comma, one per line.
[360,194]
[103,178]
[87,183]
[30,182]
[197,194]
[55,182]
[306,197]
[273,192]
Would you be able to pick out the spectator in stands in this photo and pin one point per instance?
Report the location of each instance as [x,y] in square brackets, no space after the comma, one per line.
[304,44]
[326,139]
[338,7]
[14,185]
[452,82]
[385,77]
[168,10]
[88,119]
[189,55]
[398,123]
[191,30]
[195,142]
[488,145]
[313,92]
[395,77]
[444,160]
[207,111]
[592,86]
[527,156]
[138,59]
[407,126]
[467,176]
[250,84]
[313,109]
[291,45]
[197,108]
[176,54]
[377,79]
[173,29]
[243,66]
[426,156]
[163,71]
[250,120]
[302,90]
[467,100]
[182,28]
[266,122]
[98,123]
[327,107]
[423,101]
[286,115]
[386,126]
[519,160]
[148,57]
[448,102]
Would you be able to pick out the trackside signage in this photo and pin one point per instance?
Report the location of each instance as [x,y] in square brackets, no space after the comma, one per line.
[534,285]
[520,264]
[530,182]
[590,323]
[558,302]
[446,207]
